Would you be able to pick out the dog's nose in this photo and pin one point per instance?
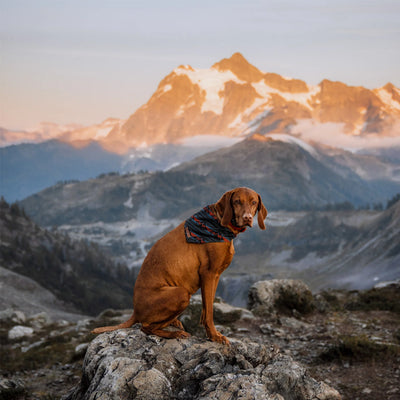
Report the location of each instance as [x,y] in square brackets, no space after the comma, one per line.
[247,218]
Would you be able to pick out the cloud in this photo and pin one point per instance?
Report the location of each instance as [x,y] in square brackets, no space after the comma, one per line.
[332,134]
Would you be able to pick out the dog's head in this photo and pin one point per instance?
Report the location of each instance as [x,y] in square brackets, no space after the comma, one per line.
[241,205]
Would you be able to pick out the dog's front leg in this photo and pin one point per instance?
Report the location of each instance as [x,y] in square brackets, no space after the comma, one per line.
[209,283]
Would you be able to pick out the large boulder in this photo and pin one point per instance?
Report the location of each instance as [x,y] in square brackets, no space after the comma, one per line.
[127,364]
[290,296]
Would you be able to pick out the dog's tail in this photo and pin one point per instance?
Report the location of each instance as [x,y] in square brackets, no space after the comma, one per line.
[127,324]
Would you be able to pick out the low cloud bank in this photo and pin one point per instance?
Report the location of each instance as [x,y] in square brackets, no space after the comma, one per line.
[332,134]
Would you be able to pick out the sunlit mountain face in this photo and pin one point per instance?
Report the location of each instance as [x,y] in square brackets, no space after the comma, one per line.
[235,99]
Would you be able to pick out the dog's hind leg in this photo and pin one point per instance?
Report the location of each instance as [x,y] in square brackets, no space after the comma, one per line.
[161,309]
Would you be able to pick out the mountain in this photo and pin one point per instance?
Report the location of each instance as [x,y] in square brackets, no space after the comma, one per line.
[80,136]
[45,131]
[337,249]
[235,98]
[191,108]
[80,276]
[126,214]
[75,134]
[29,168]
[289,174]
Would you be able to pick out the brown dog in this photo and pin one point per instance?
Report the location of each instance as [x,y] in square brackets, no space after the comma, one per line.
[191,256]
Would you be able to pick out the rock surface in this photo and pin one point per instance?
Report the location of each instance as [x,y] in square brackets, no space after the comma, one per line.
[19,331]
[129,364]
[280,295]
[350,342]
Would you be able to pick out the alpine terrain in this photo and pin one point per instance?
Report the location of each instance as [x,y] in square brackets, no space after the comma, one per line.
[194,111]
[91,201]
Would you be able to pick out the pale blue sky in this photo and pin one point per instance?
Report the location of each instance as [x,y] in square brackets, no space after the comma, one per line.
[82,61]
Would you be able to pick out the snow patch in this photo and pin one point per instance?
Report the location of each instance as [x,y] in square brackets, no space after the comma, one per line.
[260,107]
[253,125]
[283,218]
[129,203]
[134,233]
[183,108]
[303,98]
[167,88]
[293,140]
[387,98]
[102,132]
[212,82]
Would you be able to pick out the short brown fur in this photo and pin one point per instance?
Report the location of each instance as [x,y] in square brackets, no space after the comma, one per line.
[175,269]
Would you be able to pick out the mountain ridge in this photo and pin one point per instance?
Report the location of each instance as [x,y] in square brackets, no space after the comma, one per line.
[291,175]
[235,98]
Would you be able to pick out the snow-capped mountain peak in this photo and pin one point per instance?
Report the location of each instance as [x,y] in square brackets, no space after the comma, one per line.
[233,98]
[390,96]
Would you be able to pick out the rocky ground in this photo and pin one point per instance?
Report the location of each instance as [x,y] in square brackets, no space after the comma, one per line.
[349,340]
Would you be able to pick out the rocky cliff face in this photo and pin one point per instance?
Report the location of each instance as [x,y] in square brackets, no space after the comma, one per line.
[234,98]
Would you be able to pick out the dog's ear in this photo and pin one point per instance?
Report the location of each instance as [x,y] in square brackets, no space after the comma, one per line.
[224,208]
[262,213]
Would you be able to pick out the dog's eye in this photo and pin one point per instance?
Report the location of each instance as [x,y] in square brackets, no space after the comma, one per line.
[237,202]
[254,203]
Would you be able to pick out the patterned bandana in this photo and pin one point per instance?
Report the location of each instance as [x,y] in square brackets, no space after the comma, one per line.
[204,227]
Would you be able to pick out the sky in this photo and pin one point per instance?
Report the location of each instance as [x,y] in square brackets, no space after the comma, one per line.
[83,61]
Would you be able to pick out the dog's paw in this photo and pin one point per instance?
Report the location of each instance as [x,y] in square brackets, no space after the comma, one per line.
[224,340]
[182,334]
[220,339]
[177,324]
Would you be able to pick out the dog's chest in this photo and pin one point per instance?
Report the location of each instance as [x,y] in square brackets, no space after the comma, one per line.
[231,249]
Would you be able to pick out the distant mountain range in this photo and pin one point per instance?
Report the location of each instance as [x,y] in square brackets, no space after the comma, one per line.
[196,111]
[234,98]
[28,168]
[75,134]
[288,173]
[313,230]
